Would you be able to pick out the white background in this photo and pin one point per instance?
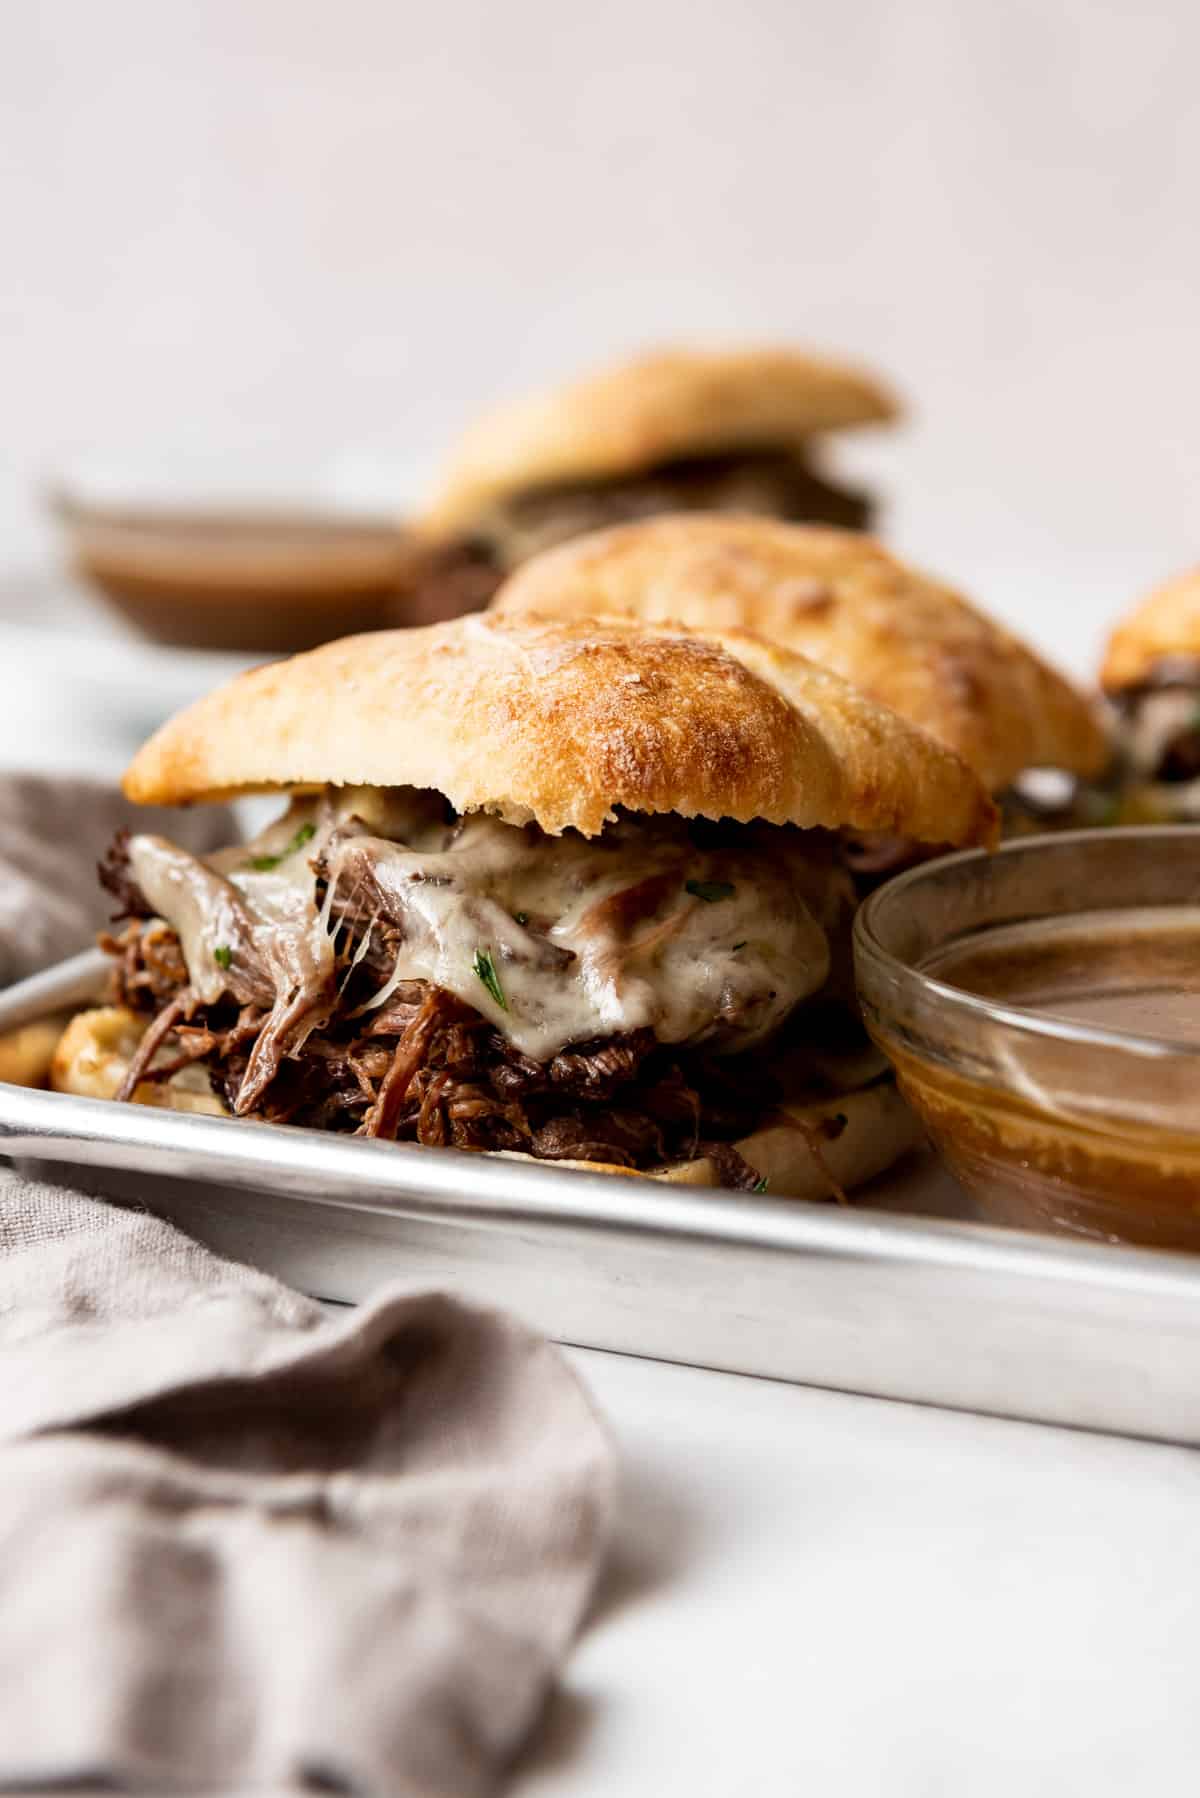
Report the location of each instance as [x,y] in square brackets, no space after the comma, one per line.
[274,235]
[297,229]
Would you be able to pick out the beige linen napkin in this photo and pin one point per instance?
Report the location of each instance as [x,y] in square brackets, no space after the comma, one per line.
[243,1546]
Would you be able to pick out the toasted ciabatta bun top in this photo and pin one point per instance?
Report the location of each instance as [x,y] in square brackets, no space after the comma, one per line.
[840,598]
[658,407]
[561,721]
[1165,627]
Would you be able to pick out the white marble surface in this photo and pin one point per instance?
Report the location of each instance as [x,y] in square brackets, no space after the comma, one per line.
[845,1597]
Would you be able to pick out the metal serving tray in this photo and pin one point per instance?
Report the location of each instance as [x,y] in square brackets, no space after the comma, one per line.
[936,1310]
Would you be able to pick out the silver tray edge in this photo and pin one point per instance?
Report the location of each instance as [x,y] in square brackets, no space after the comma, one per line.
[943,1312]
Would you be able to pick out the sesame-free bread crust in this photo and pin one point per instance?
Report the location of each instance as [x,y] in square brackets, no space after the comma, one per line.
[844,601]
[563,720]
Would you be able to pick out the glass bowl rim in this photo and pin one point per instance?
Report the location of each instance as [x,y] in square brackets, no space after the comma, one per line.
[916,983]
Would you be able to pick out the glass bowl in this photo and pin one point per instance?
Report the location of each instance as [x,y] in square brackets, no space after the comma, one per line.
[235,566]
[1041,1009]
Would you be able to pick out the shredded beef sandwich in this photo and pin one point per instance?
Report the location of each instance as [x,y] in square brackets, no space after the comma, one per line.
[676,430]
[570,890]
[1151,674]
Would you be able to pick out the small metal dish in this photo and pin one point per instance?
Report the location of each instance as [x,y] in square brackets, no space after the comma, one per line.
[1041,1008]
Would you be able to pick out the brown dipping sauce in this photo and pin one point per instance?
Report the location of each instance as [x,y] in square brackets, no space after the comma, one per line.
[1107,1145]
[253,581]
[1132,971]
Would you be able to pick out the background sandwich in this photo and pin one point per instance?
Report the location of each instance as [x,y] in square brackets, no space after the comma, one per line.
[844,601]
[1151,673]
[562,888]
[682,429]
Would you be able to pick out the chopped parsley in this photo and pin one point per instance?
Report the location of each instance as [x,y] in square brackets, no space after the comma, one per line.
[521,917]
[760,1185]
[263,864]
[711,891]
[223,955]
[485,967]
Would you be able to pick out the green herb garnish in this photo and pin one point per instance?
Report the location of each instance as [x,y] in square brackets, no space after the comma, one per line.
[223,955]
[738,946]
[521,917]
[485,967]
[760,1185]
[263,864]
[709,890]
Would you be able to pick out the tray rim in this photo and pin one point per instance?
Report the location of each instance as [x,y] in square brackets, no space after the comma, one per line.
[486,1190]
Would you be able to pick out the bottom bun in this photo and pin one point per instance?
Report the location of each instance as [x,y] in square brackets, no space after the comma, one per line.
[793,1151]
[809,1149]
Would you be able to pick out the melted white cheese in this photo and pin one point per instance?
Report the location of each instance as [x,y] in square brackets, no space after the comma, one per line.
[238,924]
[554,939]
[559,940]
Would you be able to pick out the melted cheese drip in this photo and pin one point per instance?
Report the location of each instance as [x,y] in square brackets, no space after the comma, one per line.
[592,937]
[587,937]
[222,906]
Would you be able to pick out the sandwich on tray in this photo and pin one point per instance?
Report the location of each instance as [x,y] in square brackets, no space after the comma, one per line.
[569,889]
[839,597]
[1151,674]
[673,430]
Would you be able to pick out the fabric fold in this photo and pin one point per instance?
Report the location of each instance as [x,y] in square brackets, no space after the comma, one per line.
[247,1545]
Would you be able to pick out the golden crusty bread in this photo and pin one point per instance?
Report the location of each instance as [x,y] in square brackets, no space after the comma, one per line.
[841,599]
[562,721]
[653,408]
[95,1051]
[1165,626]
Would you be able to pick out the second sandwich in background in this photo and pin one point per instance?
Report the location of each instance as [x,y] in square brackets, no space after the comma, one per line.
[842,600]
[1151,675]
[673,430]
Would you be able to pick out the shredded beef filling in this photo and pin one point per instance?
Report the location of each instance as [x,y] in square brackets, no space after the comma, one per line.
[287,989]
[770,481]
[116,877]
[428,1068]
